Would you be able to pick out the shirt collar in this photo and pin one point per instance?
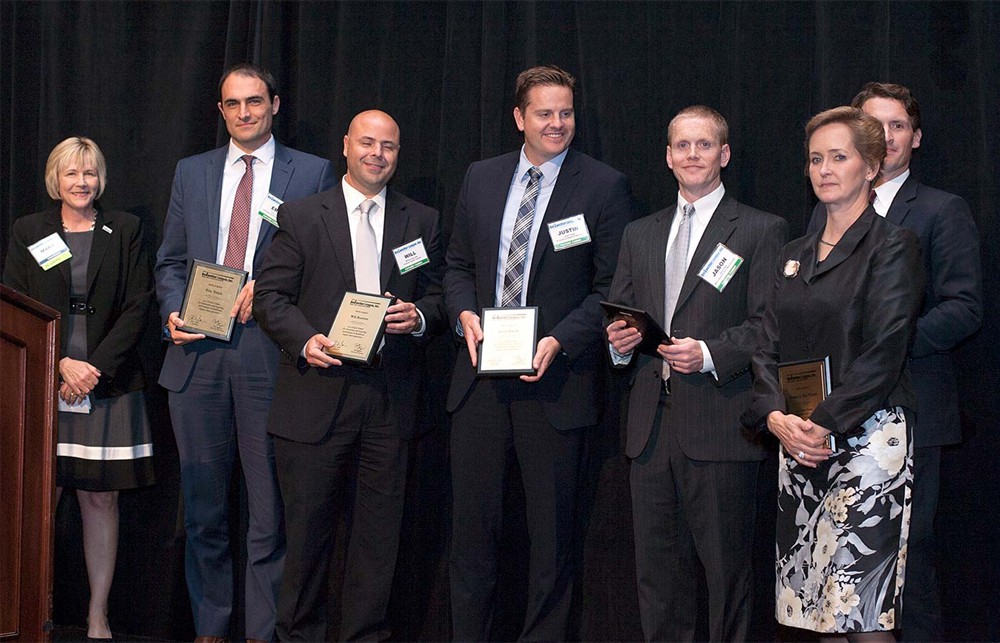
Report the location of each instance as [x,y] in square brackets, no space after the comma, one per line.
[264,153]
[550,169]
[888,190]
[706,205]
[353,198]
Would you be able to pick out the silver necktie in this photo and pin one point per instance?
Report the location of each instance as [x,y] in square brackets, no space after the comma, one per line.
[675,269]
[366,255]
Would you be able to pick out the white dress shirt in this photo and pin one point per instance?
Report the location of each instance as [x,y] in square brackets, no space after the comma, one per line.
[376,216]
[519,183]
[885,193]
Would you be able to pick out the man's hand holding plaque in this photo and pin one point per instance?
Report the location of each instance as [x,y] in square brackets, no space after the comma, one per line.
[215,296]
[357,329]
[508,344]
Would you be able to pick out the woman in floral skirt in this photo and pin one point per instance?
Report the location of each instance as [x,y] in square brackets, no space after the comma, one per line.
[849,292]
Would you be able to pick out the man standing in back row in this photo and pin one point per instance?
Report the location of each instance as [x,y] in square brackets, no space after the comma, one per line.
[951,312]
[502,254]
[693,473]
[220,392]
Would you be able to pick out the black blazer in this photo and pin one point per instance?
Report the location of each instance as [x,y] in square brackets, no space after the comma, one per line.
[119,291]
[306,270]
[859,306]
[567,286]
[706,412]
[952,308]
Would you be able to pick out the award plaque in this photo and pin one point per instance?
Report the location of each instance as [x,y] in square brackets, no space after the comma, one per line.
[652,334]
[209,298]
[510,336]
[805,384]
[358,327]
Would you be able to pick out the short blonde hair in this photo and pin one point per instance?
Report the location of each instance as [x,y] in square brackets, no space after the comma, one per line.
[75,149]
[867,134]
[702,111]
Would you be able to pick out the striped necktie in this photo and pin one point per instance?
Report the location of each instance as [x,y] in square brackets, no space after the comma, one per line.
[513,278]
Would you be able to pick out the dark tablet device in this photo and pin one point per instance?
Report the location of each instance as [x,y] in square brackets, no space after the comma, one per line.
[652,334]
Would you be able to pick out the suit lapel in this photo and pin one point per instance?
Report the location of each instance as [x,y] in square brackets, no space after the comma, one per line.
[214,170]
[338,231]
[566,182]
[495,200]
[847,244]
[657,256]
[281,173]
[393,235]
[719,229]
[98,248]
[901,202]
[53,223]
[807,258]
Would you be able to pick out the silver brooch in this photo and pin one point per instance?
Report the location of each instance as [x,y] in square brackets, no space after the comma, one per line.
[791,268]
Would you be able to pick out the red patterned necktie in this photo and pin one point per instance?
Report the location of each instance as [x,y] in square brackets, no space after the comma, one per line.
[239,224]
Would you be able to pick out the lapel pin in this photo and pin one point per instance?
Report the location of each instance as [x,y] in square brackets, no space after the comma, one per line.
[791,269]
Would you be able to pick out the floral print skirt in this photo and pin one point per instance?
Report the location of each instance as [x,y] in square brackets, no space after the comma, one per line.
[842,529]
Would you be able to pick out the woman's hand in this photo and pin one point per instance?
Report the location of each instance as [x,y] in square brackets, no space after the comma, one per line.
[79,378]
[803,441]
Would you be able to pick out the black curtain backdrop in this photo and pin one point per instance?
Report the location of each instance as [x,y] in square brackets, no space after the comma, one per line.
[140,78]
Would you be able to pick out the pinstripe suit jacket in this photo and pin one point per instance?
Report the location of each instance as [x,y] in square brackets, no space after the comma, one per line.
[705,412]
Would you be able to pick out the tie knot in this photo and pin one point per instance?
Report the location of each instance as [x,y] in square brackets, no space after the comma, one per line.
[688,210]
[534,173]
[366,206]
[248,159]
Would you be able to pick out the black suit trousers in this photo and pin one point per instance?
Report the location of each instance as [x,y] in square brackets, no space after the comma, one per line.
[498,419]
[922,617]
[364,436]
[691,518]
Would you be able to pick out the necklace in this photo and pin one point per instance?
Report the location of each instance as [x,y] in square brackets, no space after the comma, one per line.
[93,223]
[827,243]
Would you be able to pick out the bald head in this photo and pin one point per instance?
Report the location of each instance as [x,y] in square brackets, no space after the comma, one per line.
[371,147]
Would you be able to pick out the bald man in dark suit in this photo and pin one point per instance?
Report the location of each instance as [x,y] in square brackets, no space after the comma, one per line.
[328,414]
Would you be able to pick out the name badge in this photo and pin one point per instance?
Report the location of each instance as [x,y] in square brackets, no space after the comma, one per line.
[269,209]
[106,229]
[80,406]
[720,267]
[411,256]
[50,251]
[569,232]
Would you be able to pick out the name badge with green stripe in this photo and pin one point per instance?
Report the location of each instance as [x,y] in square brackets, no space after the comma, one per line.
[569,232]
[720,267]
[411,256]
[50,251]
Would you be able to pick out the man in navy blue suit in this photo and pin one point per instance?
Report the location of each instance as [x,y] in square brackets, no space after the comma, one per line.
[951,312]
[222,211]
[502,255]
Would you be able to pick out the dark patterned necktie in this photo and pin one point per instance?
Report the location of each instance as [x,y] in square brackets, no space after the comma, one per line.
[239,223]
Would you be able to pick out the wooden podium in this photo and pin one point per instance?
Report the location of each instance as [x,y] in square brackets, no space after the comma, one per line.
[29,356]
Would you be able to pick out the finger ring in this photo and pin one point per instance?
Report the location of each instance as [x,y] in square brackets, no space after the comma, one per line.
[802,454]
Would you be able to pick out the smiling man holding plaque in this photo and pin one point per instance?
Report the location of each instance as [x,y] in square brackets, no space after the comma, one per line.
[538,227]
[348,245]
